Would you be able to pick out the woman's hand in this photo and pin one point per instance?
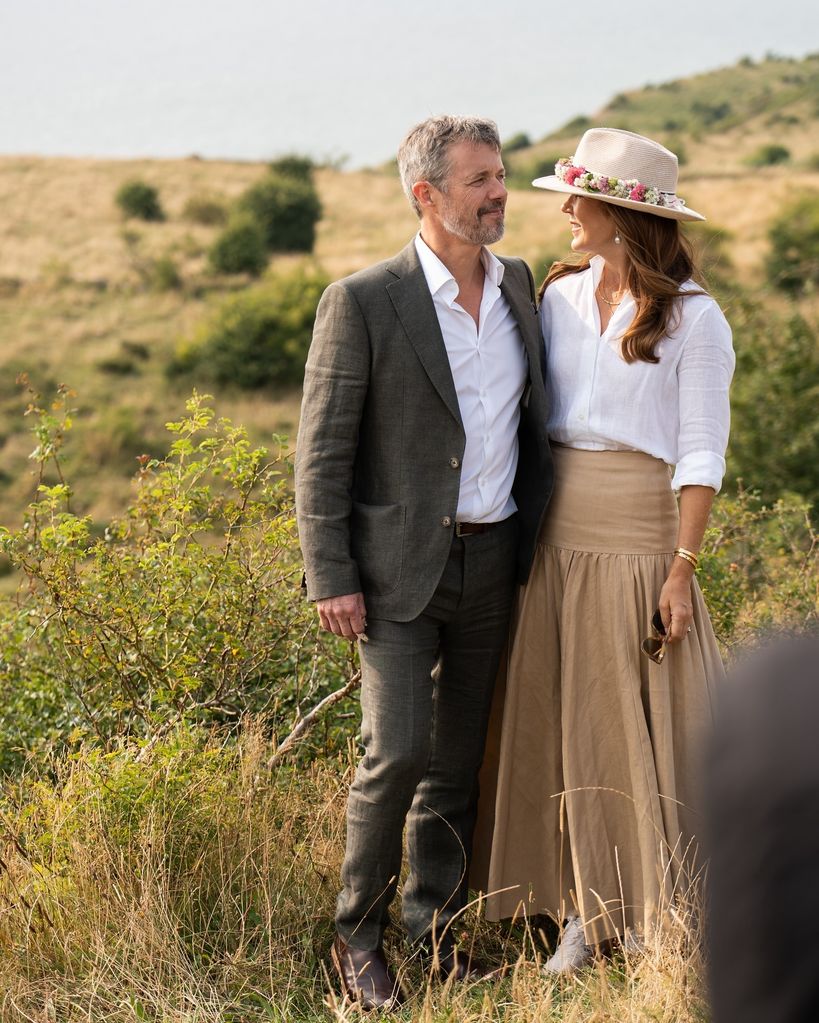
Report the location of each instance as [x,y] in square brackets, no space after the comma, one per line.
[676,606]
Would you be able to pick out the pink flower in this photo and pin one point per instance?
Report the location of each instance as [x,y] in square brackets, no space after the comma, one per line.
[572,173]
[638,193]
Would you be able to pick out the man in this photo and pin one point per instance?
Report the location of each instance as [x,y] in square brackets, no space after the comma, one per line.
[422,472]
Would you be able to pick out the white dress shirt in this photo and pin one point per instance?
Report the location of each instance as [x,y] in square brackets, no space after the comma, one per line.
[489,369]
[676,409]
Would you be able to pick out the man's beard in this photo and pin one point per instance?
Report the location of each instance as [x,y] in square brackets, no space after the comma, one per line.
[473,229]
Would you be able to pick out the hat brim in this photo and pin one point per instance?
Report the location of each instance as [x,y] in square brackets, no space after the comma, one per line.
[553,183]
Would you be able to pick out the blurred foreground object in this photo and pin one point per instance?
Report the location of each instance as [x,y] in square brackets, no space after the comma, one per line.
[763,829]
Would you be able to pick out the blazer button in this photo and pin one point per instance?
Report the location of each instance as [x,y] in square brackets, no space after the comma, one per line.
[454,463]
[446,521]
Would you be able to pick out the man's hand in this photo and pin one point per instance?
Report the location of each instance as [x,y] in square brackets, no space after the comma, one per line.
[345,615]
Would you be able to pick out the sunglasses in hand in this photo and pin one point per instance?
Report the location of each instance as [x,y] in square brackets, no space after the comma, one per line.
[654,645]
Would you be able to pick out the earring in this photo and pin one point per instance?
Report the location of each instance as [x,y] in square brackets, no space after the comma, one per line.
[616,239]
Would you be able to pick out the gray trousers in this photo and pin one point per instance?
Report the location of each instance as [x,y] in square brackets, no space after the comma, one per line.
[425,696]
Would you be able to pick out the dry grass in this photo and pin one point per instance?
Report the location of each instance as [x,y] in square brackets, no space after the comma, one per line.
[190,885]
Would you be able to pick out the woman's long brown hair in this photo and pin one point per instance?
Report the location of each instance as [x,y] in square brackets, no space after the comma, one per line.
[660,259]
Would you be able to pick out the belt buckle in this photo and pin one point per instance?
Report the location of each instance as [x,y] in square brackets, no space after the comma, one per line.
[459,531]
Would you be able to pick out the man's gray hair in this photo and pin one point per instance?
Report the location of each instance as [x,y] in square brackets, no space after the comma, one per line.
[424,153]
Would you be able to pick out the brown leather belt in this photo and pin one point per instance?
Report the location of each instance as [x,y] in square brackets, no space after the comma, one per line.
[470,528]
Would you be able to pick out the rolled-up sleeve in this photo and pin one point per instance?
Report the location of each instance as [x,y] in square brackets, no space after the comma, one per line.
[704,374]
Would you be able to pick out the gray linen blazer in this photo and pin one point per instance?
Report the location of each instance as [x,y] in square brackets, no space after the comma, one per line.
[381,441]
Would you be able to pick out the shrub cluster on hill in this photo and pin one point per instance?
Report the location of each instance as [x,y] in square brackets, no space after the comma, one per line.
[279,213]
[141,200]
[258,338]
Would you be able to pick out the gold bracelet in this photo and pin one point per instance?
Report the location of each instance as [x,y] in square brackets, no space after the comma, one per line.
[687,555]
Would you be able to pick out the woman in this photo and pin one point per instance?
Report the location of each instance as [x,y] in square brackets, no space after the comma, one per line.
[596,780]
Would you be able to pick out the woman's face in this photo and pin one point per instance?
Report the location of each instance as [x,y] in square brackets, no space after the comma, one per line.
[591,225]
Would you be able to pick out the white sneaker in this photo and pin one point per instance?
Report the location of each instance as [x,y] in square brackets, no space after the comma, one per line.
[572,953]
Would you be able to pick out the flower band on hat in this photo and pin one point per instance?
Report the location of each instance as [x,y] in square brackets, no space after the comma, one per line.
[616,188]
[628,170]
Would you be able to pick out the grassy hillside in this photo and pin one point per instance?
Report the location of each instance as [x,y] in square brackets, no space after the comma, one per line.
[78,303]
[724,112]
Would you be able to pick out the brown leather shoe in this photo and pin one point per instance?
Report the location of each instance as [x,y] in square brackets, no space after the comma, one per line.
[365,977]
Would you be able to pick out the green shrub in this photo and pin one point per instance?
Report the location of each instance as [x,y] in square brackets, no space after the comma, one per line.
[293,166]
[259,337]
[793,265]
[769,155]
[208,210]
[708,114]
[774,398]
[140,200]
[125,362]
[759,567]
[117,365]
[164,274]
[287,209]
[521,175]
[518,141]
[185,610]
[240,248]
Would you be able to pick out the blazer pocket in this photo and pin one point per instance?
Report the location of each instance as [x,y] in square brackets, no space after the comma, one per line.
[377,543]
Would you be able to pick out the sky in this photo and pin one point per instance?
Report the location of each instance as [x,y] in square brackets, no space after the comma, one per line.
[342,80]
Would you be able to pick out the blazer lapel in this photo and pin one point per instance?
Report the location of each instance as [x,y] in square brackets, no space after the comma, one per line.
[413,304]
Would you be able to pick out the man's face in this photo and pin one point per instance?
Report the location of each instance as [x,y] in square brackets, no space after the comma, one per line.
[473,203]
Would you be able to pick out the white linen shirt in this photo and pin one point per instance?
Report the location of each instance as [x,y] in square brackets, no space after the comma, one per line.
[676,410]
[489,370]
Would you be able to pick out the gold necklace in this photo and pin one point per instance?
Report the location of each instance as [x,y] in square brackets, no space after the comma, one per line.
[609,303]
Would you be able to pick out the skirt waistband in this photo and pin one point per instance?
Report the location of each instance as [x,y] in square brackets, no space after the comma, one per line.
[617,502]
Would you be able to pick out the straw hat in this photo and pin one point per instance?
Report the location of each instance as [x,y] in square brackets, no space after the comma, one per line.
[622,168]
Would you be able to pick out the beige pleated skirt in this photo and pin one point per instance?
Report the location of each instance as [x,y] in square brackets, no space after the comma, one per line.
[591,779]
